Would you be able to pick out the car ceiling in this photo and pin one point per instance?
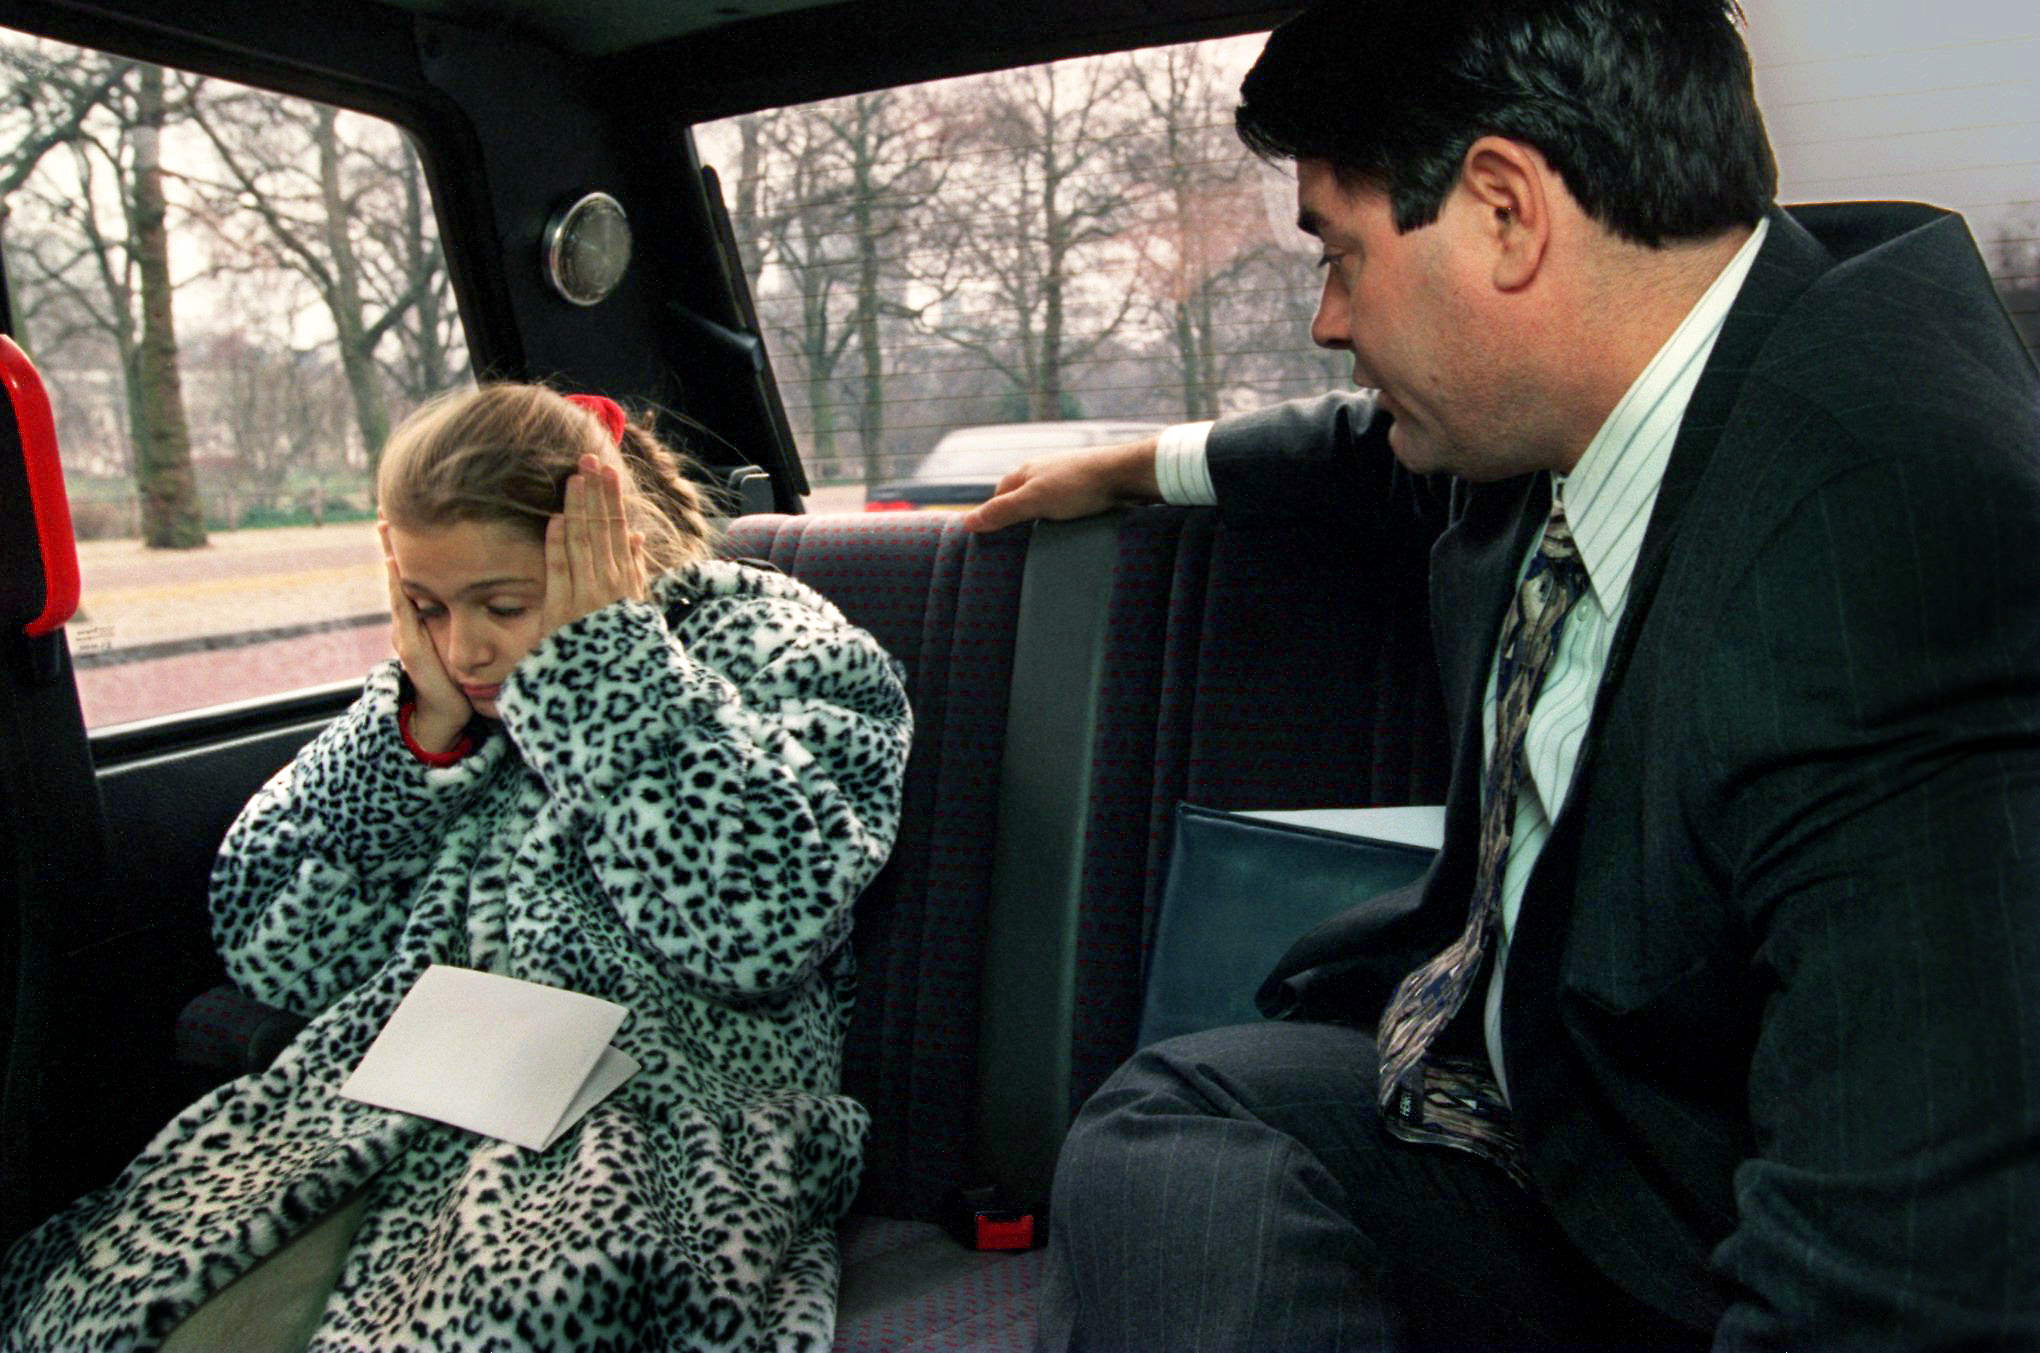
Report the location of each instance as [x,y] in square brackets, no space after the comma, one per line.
[702,58]
[608,27]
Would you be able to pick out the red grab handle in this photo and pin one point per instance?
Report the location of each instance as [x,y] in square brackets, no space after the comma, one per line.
[45,488]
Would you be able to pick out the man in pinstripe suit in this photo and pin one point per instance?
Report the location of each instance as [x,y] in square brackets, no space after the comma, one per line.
[1760,998]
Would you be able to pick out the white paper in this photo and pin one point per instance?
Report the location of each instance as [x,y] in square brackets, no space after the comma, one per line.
[1418,825]
[612,1068]
[506,1058]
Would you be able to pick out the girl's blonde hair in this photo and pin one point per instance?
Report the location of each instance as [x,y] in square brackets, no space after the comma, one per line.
[504,452]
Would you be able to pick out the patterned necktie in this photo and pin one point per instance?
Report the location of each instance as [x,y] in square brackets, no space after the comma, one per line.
[1454,1101]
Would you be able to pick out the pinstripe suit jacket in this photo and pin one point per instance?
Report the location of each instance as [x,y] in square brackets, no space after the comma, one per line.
[1773,1010]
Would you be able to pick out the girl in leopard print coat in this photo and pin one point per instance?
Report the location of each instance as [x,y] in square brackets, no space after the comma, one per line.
[665,791]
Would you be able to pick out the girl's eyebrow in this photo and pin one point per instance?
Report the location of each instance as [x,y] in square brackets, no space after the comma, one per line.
[480,585]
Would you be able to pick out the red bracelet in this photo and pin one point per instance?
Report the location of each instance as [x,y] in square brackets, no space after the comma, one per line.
[452,756]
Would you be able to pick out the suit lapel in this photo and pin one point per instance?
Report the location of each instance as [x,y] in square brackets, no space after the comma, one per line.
[1788,263]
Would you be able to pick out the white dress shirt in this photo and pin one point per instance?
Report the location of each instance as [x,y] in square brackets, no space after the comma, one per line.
[1608,498]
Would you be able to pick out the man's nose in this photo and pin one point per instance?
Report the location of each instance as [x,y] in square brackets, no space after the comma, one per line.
[1330,327]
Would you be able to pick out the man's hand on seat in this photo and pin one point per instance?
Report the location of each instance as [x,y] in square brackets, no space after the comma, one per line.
[1071,486]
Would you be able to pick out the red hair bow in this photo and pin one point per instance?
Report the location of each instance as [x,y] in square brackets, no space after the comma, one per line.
[607,412]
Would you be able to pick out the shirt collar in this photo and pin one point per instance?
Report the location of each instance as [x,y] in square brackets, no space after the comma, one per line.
[1610,491]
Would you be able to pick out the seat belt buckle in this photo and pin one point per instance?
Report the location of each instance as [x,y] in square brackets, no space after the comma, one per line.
[978,1222]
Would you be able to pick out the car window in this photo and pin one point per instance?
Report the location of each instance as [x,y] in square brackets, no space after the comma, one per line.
[1089,240]
[231,296]
[1085,240]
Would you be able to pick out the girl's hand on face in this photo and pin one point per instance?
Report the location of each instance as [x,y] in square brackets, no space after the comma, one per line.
[592,557]
[442,710]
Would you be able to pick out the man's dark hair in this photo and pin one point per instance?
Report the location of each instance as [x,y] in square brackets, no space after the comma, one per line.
[1645,107]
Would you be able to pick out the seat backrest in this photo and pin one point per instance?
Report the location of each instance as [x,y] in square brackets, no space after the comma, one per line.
[1245,669]
[943,602]
[1071,684]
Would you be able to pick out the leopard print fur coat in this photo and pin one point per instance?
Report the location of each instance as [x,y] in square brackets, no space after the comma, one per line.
[676,819]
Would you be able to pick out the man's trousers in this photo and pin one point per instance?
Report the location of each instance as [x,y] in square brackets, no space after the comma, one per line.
[1235,1190]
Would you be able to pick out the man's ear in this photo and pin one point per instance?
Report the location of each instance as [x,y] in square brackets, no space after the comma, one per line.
[1510,185]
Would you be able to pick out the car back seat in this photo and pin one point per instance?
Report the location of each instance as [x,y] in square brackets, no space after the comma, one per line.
[947,605]
[944,603]
[1151,656]
[1071,682]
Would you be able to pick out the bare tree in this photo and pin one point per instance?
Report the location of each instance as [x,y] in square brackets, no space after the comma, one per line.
[895,159]
[46,93]
[271,413]
[1006,246]
[108,258]
[1023,247]
[798,221]
[171,517]
[44,101]
[345,212]
[827,195]
[1201,224]
[748,183]
[88,242]
[431,351]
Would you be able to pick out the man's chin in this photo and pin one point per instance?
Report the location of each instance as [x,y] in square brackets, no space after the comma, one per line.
[1416,457]
[1422,455]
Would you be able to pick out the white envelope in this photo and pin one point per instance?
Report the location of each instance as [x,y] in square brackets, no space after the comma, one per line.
[506,1058]
[1417,825]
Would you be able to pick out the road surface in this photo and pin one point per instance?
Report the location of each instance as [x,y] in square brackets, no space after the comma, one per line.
[253,613]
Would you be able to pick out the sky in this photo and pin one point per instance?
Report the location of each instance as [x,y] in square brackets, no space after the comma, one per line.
[1932,100]
[1927,100]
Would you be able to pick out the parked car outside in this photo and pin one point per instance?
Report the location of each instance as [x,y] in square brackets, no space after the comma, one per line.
[967,464]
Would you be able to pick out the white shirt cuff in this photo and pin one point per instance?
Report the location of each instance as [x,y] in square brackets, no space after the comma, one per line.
[1181,471]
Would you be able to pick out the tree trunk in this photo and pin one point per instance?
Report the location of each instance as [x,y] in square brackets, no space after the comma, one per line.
[871,406]
[171,517]
[745,222]
[137,413]
[822,427]
[430,361]
[1187,356]
[1046,397]
[357,349]
[1205,327]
